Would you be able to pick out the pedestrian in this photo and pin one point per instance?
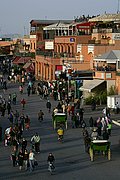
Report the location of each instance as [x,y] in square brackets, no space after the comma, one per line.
[14,157]
[51,160]
[117,104]
[91,123]
[99,126]
[93,104]
[74,119]
[7,136]
[12,134]
[22,122]
[23,80]
[1,81]
[81,114]
[20,159]
[36,139]
[3,109]
[94,134]
[63,108]
[21,89]
[16,117]
[28,90]
[26,159]
[72,109]
[105,135]
[48,105]
[10,98]
[59,107]
[33,88]
[14,97]
[40,115]
[87,141]
[24,144]
[15,143]
[31,160]
[4,85]
[27,122]
[23,102]
[109,127]
[45,92]
[69,109]
[10,117]
[9,107]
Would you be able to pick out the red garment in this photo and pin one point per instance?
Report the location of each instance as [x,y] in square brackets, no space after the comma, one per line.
[72,110]
[23,101]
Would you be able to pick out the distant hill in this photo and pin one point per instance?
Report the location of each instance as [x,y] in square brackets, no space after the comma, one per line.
[11,36]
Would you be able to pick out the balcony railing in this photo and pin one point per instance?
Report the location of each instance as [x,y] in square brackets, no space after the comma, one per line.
[117,73]
[54,55]
[106,30]
[108,69]
[102,30]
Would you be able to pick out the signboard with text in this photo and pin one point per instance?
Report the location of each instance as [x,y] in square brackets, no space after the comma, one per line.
[116,36]
[49,45]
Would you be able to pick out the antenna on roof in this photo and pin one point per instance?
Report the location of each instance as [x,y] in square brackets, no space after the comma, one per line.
[118,11]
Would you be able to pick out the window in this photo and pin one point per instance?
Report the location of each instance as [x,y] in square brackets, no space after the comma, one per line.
[34,45]
[118,64]
[31,45]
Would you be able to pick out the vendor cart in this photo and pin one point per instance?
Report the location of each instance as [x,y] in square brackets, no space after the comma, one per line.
[59,119]
[99,146]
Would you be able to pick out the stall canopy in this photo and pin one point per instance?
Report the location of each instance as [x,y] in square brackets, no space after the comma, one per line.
[89,85]
[21,60]
[29,67]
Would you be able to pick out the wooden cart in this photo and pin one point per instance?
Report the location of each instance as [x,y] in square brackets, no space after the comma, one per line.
[100,146]
[59,119]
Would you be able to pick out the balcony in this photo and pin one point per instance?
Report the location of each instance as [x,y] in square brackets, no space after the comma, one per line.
[54,54]
[102,30]
[106,30]
[105,75]
[118,73]
[105,69]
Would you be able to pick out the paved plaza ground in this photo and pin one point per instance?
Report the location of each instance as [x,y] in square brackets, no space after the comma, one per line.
[72,162]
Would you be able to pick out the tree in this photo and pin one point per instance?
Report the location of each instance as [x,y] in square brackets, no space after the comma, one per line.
[112,91]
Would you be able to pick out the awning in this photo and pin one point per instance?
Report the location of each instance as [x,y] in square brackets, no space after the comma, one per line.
[29,67]
[88,85]
[21,60]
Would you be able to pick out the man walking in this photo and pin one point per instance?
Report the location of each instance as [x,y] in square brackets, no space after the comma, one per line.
[36,140]
[48,105]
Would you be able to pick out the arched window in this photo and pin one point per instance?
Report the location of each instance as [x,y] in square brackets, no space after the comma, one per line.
[61,48]
[58,48]
[68,49]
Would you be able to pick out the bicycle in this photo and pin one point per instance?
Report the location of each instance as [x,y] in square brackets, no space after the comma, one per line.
[51,167]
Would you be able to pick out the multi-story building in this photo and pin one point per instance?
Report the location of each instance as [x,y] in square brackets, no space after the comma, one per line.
[76,44]
[105,39]
[59,41]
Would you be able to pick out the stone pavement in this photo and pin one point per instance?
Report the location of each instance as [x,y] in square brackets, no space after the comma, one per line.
[71,160]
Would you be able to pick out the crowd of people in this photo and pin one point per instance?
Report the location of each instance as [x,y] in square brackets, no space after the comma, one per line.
[21,154]
[99,129]
[23,150]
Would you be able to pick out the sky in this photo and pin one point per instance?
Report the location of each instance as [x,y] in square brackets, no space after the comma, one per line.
[15,15]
